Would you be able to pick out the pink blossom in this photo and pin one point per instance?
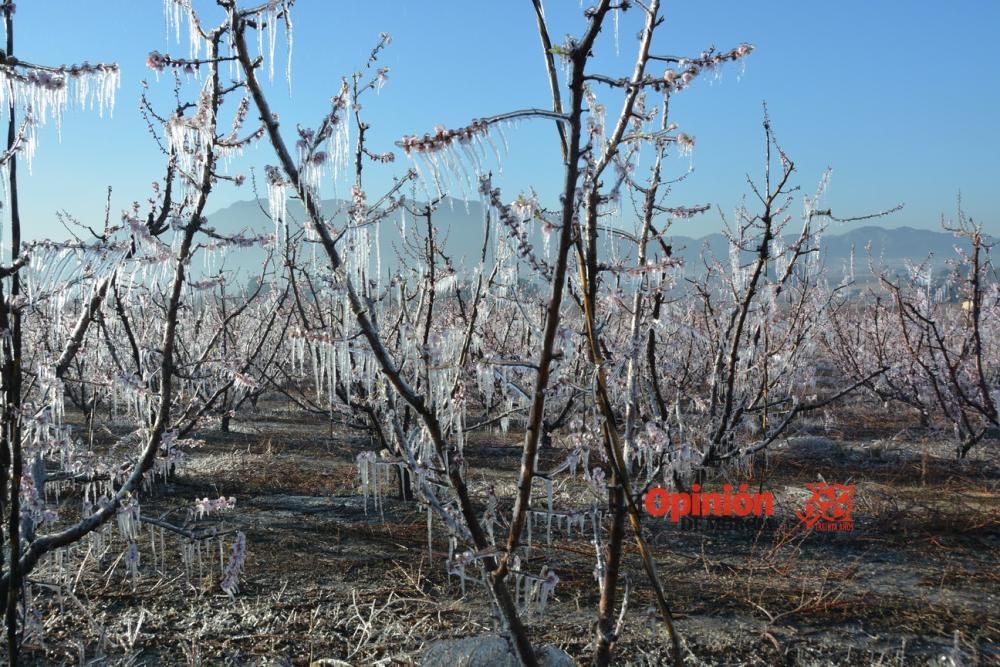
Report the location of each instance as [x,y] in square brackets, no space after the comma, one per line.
[156,61]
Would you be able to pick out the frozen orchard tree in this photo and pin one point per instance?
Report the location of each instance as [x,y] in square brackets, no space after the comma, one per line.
[102,321]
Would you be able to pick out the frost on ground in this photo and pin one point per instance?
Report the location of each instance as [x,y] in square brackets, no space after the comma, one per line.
[914,583]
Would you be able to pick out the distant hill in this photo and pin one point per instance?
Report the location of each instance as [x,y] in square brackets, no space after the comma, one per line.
[459,228]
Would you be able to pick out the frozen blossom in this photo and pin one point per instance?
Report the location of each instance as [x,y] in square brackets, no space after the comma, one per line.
[230,582]
[685,143]
[207,506]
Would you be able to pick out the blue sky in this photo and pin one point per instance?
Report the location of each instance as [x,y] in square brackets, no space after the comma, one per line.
[901,99]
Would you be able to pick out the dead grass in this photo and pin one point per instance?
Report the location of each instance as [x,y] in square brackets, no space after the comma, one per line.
[325,579]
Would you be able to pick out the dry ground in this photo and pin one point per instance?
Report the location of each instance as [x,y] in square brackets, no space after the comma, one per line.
[916,582]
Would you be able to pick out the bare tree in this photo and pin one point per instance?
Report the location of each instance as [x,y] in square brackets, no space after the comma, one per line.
[951,351]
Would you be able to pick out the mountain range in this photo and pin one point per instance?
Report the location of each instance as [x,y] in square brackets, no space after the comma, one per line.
[459,226]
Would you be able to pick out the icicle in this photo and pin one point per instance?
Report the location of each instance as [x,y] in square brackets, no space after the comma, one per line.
[288,45]
[363,460]
[271,18]
[548,583]
[276,195]
[172,17]
[132,562]
[616,13]
[377,497]
[430,534]
[548,494]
